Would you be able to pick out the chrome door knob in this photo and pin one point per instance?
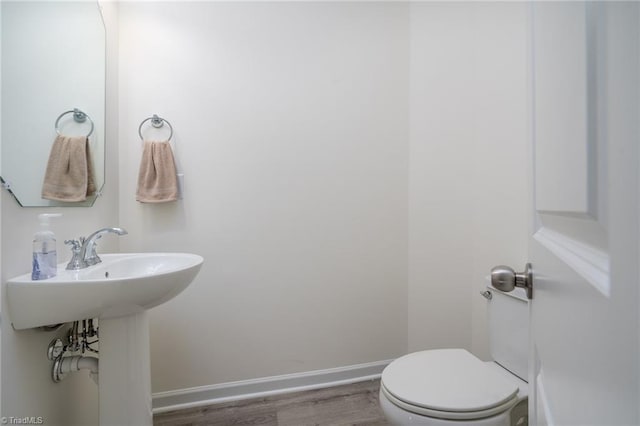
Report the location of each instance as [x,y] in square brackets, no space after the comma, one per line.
[504,278]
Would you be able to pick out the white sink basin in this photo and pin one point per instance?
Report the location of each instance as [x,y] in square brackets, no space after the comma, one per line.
[122,284]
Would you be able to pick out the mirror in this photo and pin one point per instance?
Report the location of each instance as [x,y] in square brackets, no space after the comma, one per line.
[53,61]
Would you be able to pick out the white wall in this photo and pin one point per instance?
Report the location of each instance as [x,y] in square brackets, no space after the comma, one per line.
[291,124]
[468,154]
[26,373]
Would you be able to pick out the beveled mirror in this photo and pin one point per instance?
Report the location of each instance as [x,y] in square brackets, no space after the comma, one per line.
[53,63]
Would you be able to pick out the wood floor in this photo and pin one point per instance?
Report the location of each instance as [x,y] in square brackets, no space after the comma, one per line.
[355,404]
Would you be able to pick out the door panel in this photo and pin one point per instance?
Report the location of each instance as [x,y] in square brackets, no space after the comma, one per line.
[584,244]
[562,146]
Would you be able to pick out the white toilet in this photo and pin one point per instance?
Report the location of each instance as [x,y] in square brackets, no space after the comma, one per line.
[446,387]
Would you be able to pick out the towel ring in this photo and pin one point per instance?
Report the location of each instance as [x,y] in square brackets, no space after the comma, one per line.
[156,122]
[78,117]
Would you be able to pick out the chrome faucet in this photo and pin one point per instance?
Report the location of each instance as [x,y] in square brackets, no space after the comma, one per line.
[84,249]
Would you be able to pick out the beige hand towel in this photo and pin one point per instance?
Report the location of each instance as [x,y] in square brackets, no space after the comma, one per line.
[69,175]
[157,178]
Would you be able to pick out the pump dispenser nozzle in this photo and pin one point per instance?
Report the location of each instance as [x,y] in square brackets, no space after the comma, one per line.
[44,218]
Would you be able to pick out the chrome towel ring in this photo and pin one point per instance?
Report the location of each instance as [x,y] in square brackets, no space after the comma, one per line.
[156,122]
[78,117]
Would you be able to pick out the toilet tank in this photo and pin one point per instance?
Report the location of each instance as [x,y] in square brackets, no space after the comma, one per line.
[508,315]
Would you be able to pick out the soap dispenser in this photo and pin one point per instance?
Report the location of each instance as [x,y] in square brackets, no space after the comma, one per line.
[45,260]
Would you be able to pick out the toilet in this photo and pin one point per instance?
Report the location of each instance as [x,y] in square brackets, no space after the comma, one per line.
[446,387]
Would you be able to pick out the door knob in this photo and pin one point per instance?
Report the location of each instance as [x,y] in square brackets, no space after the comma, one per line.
[504,278]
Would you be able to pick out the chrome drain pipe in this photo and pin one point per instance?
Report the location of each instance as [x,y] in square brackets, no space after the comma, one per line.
[77,341]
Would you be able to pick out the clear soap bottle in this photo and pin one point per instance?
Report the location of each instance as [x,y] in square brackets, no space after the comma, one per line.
[45,258]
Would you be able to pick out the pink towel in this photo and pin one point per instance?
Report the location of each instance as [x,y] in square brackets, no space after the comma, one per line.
[69,175]
[157,178]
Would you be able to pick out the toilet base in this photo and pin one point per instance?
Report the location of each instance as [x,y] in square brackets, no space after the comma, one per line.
[517,416]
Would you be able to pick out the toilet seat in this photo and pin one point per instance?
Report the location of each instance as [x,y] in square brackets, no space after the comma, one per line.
[448,384]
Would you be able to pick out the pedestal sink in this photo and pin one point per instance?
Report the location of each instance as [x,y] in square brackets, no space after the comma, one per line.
[118,292]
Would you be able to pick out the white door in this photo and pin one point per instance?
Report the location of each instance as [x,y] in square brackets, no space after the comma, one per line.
[584,239]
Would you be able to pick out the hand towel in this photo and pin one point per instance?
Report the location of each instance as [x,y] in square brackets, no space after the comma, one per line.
[157,178]
[69,175]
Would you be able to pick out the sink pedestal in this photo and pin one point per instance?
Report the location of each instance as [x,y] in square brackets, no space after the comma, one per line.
[124,371]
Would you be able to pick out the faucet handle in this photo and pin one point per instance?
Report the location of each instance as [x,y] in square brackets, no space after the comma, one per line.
[75,263]
[75,245]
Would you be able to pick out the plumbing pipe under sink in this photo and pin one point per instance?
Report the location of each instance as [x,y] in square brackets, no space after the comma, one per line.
[76,363]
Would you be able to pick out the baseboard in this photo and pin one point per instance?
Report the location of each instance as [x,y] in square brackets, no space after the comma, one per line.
[255,388]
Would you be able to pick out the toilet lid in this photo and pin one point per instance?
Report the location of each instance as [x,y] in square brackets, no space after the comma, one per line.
[447,380]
